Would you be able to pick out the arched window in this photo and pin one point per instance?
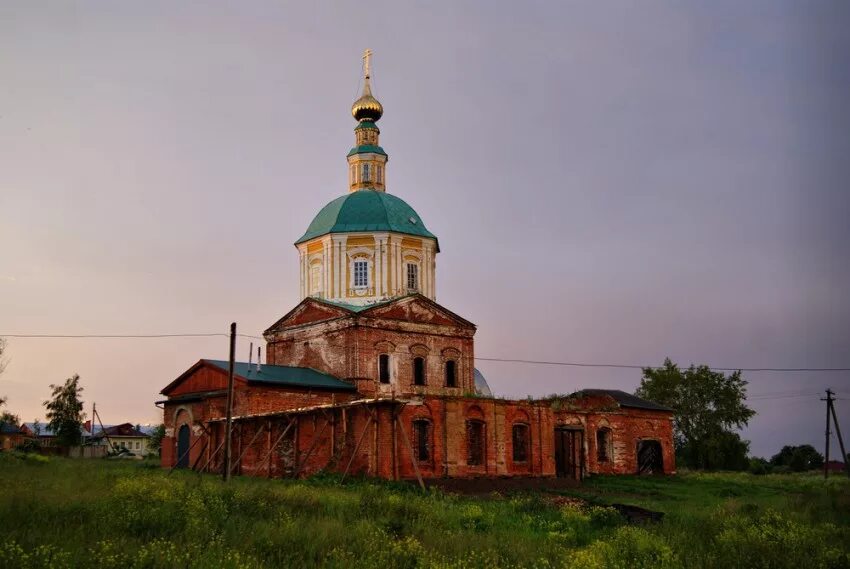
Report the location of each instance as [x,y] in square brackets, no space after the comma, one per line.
[379,171]
[353,174]
[412,277]
[365,172]
[603,445]
[315,278]
[418,371]
[422,440]
[519,437]
[451,373]
[475,442]
[361,274]
[384,368]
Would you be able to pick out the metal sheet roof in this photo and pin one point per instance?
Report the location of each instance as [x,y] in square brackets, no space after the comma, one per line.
[626,399]
[285,376]
[367,210]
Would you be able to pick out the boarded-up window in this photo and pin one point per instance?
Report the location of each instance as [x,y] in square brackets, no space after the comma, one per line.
[384,368]
[419,371]
[603,444]
[475,443]
[422,439]
[520,442]
[451,374]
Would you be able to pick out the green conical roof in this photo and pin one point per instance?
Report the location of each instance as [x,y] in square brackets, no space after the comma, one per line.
[367,210]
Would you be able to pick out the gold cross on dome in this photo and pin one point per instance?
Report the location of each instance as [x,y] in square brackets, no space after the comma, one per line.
[367,55]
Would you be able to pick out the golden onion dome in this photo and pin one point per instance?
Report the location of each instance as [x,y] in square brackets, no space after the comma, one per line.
[367,107]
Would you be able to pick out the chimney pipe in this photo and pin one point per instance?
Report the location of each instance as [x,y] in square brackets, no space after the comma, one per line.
[250,356]
[259,357]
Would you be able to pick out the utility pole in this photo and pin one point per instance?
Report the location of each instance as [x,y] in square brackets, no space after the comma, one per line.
[844,457]
[228,426]
[826,449]
[96,415]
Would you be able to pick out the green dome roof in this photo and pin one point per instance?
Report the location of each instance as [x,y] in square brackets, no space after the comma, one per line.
[367,210]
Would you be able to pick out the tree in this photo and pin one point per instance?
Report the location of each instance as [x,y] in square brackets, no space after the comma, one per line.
[155,440]
[36,427]
[65,412]
[708,405]
[5,416]
[798,458]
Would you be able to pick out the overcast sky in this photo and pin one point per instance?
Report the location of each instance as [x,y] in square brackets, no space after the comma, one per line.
[611,184]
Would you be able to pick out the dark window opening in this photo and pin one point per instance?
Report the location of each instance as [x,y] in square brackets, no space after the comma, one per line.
[603,441]
[451,376]
[520,443]
[474,443]
[422,440]
[419,371]
[384,368]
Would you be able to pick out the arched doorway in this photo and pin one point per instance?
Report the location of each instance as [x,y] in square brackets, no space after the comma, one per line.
[649,458]
[183,446]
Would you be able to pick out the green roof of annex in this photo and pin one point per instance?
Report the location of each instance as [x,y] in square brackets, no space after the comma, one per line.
[367,210]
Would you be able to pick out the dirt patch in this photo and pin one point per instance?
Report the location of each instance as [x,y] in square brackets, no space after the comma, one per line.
[546,486]
[638,515]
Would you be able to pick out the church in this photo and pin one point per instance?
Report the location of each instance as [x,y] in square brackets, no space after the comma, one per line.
[369,375]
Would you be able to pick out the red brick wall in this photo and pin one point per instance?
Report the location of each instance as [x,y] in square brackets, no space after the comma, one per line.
[247,399]
[206,378]
[326,440]
[352,353]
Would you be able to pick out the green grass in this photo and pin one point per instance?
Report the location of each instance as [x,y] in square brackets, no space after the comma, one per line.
[105,514]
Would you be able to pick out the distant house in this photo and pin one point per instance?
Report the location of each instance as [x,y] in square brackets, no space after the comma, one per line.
[45,436]
[124,436]
[10,436]
[835,466]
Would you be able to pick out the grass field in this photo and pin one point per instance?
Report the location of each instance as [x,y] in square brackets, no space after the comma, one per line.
[105,514]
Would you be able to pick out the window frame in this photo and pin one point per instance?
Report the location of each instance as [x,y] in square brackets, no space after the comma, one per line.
[412,271]
[525,443]
[418,444]
[604,451]
[419,371]
[476,455]
[355,273]
[315,278]
[450,364]
[384,368]
[365,167]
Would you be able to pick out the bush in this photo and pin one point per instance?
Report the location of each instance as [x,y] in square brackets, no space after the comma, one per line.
[760,466]
[774,540]
[29,445]
[628,548]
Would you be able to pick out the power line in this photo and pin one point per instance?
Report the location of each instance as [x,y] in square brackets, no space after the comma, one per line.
[772,397]
[486,359]
[97,336]
[635,366]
